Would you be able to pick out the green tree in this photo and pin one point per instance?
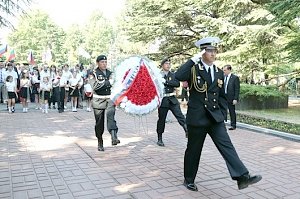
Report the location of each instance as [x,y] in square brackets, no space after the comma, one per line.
[249,39]
[38,33]
[74,40]
[287,15]
[9,8]
[98,35]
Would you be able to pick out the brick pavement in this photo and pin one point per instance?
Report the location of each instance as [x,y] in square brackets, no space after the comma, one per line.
[54,156]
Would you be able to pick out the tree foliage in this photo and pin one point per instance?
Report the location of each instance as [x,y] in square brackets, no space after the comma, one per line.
[250,40]
[38,33]
[9,8]
[98,35]
[287,15]
[74,40]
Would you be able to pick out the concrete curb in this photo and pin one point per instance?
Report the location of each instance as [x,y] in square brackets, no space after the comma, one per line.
[281,134]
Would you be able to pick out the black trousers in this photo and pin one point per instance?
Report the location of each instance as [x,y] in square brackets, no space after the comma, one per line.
[162,115]
[232,114]
[221,139]
[99,118]
[61,98]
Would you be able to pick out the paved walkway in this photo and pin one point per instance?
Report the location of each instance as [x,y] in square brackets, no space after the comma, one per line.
[54,156]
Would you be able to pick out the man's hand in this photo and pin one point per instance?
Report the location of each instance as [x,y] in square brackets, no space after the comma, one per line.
[234,102]
[197,57]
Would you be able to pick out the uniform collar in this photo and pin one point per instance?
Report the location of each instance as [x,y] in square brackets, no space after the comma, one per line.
[207,66]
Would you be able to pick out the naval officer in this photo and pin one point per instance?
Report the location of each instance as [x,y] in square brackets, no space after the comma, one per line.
[207,108]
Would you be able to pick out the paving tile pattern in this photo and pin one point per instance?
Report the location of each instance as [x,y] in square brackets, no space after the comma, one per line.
[54,156]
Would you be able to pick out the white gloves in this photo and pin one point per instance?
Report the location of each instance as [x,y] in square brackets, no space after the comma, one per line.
[234,102]
[197,57]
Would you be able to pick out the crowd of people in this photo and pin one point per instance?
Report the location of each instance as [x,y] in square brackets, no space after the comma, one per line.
[47,87]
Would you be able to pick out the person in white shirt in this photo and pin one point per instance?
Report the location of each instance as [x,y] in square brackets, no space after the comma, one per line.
[53,92]
[66,75]
[25,85]
[35,82]
[11,88]
[88,92]
[82,73]
[75,84]
[45,88]
[45,72]
[61,81]
[11,72]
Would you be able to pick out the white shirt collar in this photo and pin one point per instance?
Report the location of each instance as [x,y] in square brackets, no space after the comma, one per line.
[207,66]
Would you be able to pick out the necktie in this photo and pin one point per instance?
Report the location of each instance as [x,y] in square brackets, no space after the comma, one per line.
[226,82]
[209,74]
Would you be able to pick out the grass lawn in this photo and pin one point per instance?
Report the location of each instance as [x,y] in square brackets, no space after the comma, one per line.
[291,114]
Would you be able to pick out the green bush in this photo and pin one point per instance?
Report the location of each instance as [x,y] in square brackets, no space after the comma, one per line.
[269,123]
[262,92]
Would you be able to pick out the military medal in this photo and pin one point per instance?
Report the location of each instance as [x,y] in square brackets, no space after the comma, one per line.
[198,79]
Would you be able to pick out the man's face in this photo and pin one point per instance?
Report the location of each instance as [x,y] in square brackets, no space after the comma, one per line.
[166,66]
[102,64]
[209,55]
[1,65]
[226,71]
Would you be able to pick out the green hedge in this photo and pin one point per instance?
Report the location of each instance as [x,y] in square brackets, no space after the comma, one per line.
[257,97]
[269,123]
[262,92]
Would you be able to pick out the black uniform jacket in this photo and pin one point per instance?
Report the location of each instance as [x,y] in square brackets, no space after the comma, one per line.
[210,106]
[101,86]
[170,84]
[233,88]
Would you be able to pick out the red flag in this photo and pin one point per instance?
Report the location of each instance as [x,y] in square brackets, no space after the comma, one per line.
[12,55]
[30,58]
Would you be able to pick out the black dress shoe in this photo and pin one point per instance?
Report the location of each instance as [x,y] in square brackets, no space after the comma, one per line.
[232,128]
[190,186]
[246,180]
[160,143]
[100,148]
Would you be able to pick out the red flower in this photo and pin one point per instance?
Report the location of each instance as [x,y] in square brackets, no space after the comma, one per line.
[142,90]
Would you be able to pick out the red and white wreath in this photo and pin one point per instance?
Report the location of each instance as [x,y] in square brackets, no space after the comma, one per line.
[138,89]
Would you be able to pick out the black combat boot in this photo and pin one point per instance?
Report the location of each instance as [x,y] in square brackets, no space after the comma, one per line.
[100,144]
[118,141]
[114,139]
[159,141]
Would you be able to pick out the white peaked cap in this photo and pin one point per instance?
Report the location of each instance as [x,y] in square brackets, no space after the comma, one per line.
[208,42]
